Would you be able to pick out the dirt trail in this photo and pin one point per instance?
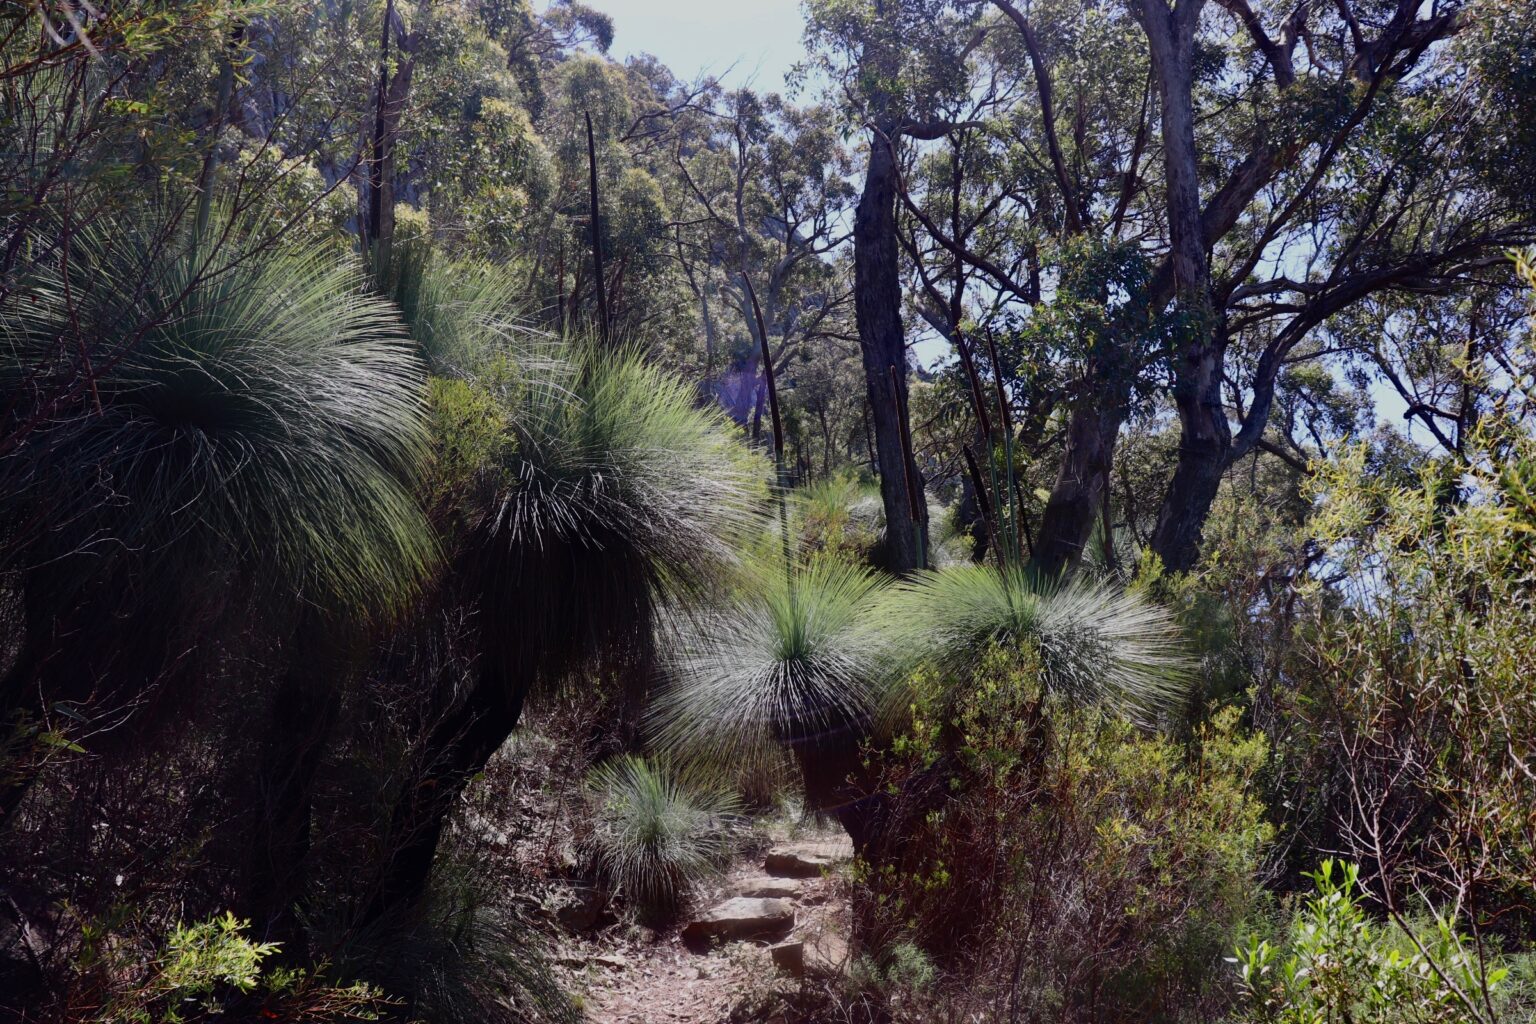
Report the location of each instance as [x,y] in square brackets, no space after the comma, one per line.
[790,898]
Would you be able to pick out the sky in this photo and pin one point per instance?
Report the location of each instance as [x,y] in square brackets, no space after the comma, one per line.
[755,40]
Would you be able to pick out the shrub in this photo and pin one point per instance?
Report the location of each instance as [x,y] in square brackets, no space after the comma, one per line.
[841,517]
[1419,693]
[1061,862]
[206,970]
[1335,963]
[653,838]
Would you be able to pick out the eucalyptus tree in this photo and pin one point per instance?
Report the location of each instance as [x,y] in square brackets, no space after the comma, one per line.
[1311,159]
[889,59]
[766,188]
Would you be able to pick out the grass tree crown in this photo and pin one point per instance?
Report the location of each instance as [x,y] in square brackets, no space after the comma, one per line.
[792,659]
[246,407]
[1095,643]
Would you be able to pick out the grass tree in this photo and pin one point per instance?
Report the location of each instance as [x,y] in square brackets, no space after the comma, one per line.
[653,837]
[245,450]
[792,660]
[611,496]
[251,432]
[1094,643]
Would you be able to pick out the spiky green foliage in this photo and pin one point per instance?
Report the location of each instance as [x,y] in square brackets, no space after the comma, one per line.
[458,958]
[618,496]
[247,411]
[791,659]
[653,838]
[1094,643]
[467,317]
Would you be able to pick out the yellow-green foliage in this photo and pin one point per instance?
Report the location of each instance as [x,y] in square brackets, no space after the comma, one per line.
[840,517]
[471,436]
[204,970]
[1336,963]
[1083,864]
[1431,664]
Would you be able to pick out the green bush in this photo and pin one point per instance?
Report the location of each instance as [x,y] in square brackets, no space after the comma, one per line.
[1334,963]
[1063,861]
[205,970]
[653,839]
[841,517]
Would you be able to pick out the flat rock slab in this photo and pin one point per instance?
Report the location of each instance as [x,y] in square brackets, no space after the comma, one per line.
[769,888]
[742,918]
[807,860]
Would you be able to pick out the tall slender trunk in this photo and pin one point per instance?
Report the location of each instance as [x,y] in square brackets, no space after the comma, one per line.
[376,226]
[390,101]
[598,273]
[205,177]
[1205,437]
[877,307]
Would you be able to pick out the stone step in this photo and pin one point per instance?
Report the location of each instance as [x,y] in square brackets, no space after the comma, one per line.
[807,860]
[768,887]
[825,952]
[742,918]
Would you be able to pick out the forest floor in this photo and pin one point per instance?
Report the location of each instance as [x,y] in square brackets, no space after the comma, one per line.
[789,879]
[637,976]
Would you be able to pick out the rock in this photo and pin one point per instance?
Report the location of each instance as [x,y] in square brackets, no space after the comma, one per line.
[789,957]
[741,918]
[770,888]
[806,860]
[826,953]
[581,909]
[821,953]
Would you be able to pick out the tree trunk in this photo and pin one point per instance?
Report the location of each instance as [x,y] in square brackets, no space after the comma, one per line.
[877,307]
[304,713]
[1078,494]
[838,783]
[456,750]
[1205,443]
[1199,354]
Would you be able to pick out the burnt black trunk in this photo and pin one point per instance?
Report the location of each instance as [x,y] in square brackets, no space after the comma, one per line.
[838,783]
[303,718]
[456,750]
